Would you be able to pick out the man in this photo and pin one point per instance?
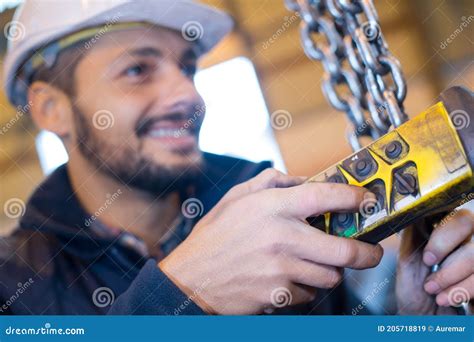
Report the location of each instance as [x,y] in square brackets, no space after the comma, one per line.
[140,221]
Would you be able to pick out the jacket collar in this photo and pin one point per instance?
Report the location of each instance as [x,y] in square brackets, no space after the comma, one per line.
[53,209]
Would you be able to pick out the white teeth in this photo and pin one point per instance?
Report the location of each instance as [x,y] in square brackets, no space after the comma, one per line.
[168,132]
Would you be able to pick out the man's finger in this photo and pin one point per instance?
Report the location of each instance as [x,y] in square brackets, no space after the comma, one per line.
[457,267]
[293,295]
[315,275]
[308,242]
[447,236]
[457,294]
[267,179]
[310,199]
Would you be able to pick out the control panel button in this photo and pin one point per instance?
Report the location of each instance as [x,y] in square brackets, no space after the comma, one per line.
[405,183]
[405,187]
[360,165]
[374,209]
[363,167]
[393,149]
[343,224]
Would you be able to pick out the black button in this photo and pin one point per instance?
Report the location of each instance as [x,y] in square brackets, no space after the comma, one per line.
[345,220]
[363,167]
[405,183]
[393,149]
[360,165]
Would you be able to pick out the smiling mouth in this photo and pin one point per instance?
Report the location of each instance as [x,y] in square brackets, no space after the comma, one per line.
[175,132]
[163,132]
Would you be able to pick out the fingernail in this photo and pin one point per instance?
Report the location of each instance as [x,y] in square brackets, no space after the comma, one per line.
[429,258]
[442,299]
[431,287]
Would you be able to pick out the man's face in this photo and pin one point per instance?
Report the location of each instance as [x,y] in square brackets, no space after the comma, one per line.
[137,113]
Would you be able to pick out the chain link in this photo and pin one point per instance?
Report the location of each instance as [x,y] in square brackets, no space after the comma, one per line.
[345,36]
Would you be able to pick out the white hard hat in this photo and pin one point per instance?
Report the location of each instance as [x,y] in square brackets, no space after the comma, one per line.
[36,24]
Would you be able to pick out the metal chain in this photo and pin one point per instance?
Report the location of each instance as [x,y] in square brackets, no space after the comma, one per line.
[345,36]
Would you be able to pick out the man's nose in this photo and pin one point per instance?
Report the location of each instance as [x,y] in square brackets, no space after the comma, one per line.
[178,89]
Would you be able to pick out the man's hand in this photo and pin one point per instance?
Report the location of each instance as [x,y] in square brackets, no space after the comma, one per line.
[451,246]
[255,245]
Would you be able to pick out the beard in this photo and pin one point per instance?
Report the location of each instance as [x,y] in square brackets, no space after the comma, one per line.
[129,166]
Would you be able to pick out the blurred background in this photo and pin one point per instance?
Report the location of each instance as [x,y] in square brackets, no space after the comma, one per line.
[261,69]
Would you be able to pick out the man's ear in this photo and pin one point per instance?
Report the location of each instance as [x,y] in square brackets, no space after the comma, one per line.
[51,108]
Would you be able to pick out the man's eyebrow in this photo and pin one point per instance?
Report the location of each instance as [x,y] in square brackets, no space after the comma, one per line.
[188,54]
[146,52]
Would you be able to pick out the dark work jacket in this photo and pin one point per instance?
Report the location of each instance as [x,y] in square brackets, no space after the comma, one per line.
[54,264]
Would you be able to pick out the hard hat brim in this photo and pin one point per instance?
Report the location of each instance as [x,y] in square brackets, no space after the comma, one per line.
[209,26]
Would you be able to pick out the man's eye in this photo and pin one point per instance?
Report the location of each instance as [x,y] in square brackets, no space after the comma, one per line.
[136,70]
[189,70]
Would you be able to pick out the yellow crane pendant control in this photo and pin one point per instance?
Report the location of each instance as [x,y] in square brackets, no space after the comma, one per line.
[421,168]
